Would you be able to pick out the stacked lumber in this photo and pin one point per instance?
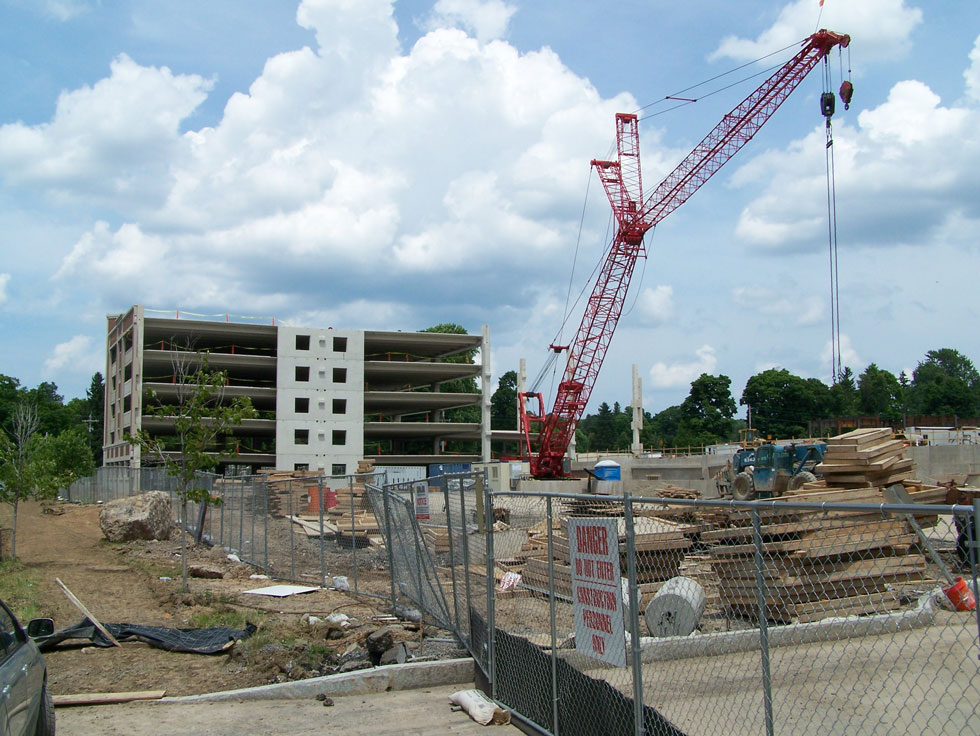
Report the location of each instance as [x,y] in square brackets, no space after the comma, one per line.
[866,458]
[288,490]
[437,539]
[817,565]
[660,546]
[697,566]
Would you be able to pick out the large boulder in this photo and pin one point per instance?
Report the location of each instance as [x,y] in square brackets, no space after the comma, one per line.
[147,516]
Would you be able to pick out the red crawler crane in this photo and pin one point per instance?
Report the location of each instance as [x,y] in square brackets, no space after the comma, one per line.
[623,183]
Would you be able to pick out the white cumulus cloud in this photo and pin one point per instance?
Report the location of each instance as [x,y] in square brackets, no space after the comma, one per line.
[485,19]
[972,74]
[78,355]
[883,27]
[656,305]
[4,281]
[901,160]
[676,375]
[787,302]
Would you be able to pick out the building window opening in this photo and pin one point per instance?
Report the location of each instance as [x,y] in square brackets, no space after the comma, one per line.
[302,373]
[340,375]
[340,344]
[301,466]
[338,469]
[301,436]
[301,405]
[339,406]
[338,437]
[302,342]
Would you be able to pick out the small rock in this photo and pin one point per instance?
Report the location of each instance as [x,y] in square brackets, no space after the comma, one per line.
[234,558]
[200,571]
[335,634]
[321,696]
[412,645]
[328,702]
[258,576]
[356,664]
[379,641]
[398,654]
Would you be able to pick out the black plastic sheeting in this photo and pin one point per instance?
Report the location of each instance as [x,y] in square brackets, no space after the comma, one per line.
[213,640]
[587,706]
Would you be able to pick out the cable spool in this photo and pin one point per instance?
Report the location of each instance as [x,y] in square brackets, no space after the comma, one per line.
[676,609]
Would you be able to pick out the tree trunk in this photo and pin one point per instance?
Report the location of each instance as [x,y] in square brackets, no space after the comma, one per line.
[183,545]
[13,532]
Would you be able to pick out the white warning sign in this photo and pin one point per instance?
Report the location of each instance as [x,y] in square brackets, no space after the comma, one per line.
[420,491]
[597,593]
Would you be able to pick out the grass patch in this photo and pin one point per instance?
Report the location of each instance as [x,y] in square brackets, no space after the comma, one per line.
[156,569]
[220,616]
[19,590]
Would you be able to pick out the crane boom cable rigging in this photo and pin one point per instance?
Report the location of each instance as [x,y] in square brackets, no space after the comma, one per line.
[635,216]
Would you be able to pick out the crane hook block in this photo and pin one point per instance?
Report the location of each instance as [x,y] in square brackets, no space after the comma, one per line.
[846,93]
[827,103]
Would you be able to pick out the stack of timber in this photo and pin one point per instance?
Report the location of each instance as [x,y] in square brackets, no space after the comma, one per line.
[818,565]
[288,490]
[867,458]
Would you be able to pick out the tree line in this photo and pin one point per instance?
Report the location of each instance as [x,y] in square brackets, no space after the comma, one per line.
[781,404]
[45,443]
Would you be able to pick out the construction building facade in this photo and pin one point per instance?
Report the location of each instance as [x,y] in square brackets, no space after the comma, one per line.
[325,397]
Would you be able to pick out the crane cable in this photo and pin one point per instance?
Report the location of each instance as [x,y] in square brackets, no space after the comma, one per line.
[827,107]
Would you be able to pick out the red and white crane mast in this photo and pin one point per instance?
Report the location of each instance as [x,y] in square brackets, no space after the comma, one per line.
[623,183]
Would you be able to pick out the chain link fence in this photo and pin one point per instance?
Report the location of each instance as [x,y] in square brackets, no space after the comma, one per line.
[752,617]
[314,530]
[619,615]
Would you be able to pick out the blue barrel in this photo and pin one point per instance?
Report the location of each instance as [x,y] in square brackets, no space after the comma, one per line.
[607,470]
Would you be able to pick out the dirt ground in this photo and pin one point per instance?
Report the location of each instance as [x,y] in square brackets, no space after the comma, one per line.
[121,583]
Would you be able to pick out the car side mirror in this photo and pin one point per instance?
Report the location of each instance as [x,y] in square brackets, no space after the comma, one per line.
[38,628]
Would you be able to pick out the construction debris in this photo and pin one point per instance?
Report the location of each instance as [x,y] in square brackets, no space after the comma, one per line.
[816,563]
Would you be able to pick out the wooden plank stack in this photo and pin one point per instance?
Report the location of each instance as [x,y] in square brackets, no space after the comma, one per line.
[867,458]
[818,564]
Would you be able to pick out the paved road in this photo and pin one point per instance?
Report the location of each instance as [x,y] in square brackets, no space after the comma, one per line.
[408,712]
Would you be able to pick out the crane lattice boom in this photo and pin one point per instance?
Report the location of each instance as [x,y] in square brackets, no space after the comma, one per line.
[634,216]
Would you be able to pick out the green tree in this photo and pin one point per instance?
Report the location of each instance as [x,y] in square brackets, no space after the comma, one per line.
[879,392]
[844,395]
[661,429]
[202,420]
[503,409]
[946,382]
[781,402]
[68,455]
[95,415]
[707,411]
[26,470]
[503,403]
[51,415]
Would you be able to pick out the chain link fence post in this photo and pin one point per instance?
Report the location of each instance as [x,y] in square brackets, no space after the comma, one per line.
[452,559]
[353,540]
[973,553]
[549,514]
[484,491]
[466,559]
[390,544]
[760,596]
[323,552]
[635,601]
[292,550]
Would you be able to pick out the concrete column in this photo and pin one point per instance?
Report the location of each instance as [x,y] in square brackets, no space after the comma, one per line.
[637,424]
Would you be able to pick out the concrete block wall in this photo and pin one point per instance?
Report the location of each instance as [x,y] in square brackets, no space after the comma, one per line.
[320,395]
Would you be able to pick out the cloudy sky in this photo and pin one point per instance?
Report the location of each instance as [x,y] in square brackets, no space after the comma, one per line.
[393,164]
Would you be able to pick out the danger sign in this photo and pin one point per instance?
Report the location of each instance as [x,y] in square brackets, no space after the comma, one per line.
[597,593]
[420,491]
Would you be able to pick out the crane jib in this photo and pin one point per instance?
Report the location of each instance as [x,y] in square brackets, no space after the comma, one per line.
[622,182]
